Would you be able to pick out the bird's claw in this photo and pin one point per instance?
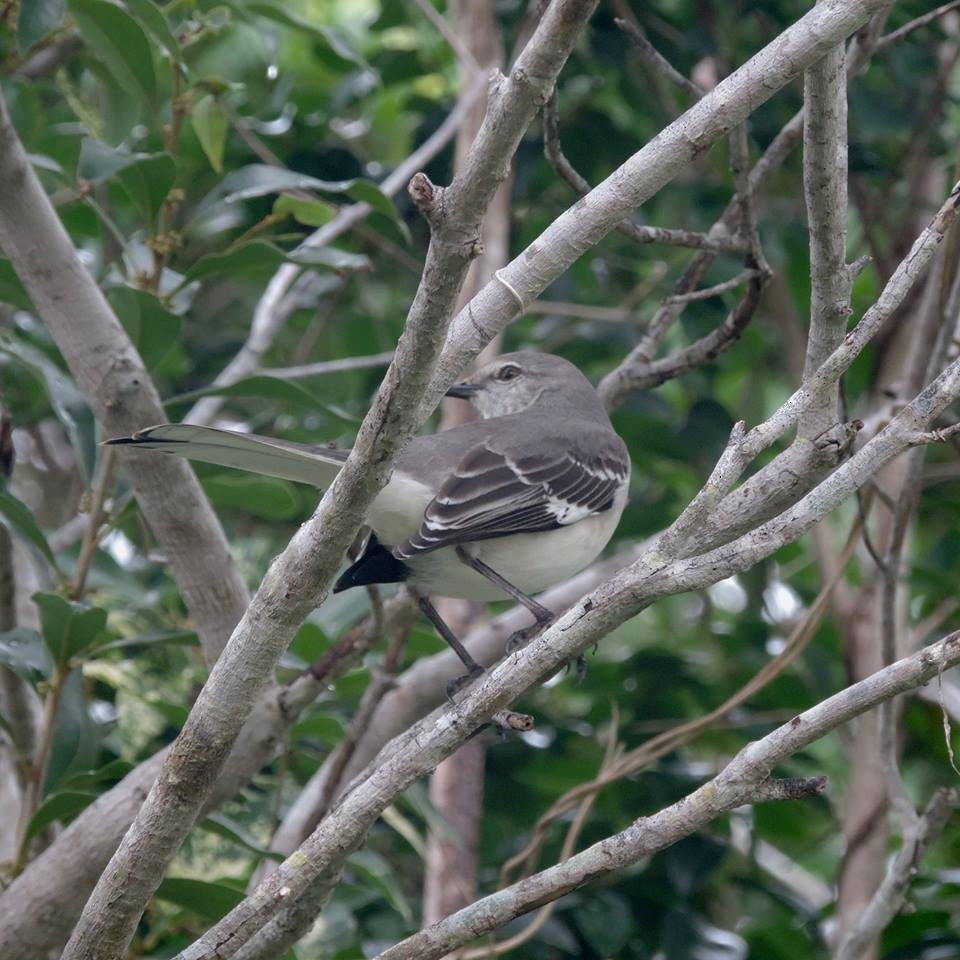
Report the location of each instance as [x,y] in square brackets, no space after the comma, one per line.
[498,729]
[520,638]
[455,685]
[580,665]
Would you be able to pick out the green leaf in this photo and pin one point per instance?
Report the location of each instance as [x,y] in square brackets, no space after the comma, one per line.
[604,921]
[340,260]
[152,328]
[61,805]
[210,125]
[68,628]
[25,653]
[178,638]
[147,177]
[368,192]
[174,713]
[149,182]
[372,867]
[114,770]
[281,13]
[229,829]
[119,111]
[259,179]
[270,388]
[212,901]
[309,642]
[325,728]
[37,19]
[311,213]
[149,15]
[68,403]
[240,260]
[11,289]
[263,496]
[74,736]
[261,255]
[119,43]
[19,519]
[99,161]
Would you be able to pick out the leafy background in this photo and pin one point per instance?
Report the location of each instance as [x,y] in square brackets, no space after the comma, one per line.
[141,129]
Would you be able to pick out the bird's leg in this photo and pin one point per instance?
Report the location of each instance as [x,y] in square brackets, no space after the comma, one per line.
[542,615]
[473,668]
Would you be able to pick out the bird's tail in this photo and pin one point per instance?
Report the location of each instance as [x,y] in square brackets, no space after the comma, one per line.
[247,451]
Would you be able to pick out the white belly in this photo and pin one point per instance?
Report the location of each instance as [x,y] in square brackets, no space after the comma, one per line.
[532,562]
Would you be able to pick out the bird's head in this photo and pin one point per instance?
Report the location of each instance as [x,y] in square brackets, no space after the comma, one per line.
[514,382]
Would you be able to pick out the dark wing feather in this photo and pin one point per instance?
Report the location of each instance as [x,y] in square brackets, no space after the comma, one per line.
[494,494]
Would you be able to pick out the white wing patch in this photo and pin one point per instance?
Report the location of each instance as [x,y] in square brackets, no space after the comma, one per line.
[493,494]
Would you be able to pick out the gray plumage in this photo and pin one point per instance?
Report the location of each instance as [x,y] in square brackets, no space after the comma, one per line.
[534,489]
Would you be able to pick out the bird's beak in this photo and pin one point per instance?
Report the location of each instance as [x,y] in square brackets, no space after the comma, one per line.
[463,391]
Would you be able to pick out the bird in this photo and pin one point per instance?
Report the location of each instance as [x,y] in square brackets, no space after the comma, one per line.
[504,506]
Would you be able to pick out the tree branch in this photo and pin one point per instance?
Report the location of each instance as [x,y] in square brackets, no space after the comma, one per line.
[746,779]
[892,893]
[646,172]
[825,192]
[316,865]
[299,579]
[269,315]
[120,391]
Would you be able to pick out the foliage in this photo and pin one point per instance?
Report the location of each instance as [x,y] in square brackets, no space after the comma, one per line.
[155,129]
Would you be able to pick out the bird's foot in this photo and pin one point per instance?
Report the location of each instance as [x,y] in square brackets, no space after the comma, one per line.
[455,685]
[580,667]
[497,728]
[520,638]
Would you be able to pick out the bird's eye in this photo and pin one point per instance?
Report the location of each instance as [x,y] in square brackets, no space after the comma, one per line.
[508,372]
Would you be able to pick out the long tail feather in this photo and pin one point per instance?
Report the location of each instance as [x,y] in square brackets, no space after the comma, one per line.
[247,451]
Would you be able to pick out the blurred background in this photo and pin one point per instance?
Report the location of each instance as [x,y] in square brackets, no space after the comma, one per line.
[189,148]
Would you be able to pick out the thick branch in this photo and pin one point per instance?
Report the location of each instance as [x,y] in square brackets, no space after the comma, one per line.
[109,371]
[825,190]
[299,579]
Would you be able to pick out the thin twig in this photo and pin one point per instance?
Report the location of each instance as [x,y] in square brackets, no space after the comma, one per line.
[325,367]
[657,60]
[745,780]
[382,680]
[617,385]
[268,318]
[611,753]
[33,793]
[670,740]
[715,291]
[581,311]
[101,485]
[717,241]
[941,435]
[463,52]
[894,35]
[892,893]
[397,613]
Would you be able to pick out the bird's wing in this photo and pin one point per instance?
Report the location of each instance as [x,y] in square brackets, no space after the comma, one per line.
[264,455]
[495,492]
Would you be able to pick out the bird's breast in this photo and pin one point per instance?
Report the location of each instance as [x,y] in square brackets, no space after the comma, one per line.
[532,562]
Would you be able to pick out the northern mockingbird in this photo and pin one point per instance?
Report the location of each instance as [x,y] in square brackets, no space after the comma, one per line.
[507,505]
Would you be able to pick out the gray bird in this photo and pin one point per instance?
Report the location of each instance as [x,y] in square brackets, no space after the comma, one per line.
[507,505]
